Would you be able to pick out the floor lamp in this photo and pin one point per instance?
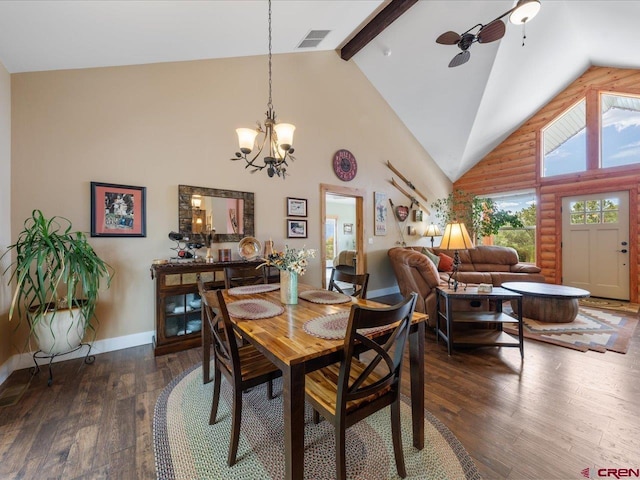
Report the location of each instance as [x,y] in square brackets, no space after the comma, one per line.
[455,237]
[432,231]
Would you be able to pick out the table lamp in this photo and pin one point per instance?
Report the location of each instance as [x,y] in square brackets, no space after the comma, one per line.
[432,231]
[454,238]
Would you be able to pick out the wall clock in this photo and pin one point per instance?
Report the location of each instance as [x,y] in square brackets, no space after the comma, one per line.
[345,165]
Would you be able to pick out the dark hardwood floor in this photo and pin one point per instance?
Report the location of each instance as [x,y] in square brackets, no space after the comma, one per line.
[548,417]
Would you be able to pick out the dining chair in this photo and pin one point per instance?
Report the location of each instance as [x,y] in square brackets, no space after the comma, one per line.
[359,282]
[240,276]
[349,391]
[243,366]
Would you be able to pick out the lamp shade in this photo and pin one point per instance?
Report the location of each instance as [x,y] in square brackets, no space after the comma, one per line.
[246,138]
[524,11]
[455,237]
[432,231]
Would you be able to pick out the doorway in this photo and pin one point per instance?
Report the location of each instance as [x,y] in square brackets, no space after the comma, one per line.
[595,243]
[341,213]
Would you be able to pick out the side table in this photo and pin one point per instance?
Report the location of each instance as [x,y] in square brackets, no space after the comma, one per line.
[447,318]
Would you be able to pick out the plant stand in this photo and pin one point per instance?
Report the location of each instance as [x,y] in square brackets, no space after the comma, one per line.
[39,355]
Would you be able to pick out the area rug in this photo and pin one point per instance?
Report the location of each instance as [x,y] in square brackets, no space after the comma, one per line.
[608,304]
[593,329]
[187,447]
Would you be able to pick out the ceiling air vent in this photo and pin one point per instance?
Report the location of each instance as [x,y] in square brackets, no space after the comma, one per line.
[313,38]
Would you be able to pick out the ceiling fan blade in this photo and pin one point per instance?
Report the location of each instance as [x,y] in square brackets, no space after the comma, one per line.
[448,38]
[491,32]
[459,59]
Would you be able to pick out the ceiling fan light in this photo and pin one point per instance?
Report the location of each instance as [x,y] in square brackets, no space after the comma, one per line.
[524,11]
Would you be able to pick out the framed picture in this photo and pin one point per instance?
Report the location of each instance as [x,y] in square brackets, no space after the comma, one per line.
[348,228]
[380,213]
[296,228]
[417,215]
[118,210]
[296,207]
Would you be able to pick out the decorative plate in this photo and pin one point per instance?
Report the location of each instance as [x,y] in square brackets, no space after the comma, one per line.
[254,309]
[250,289]
[249,248]
[324,296]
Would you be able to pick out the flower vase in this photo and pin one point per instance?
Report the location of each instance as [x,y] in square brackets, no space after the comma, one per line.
[288,287]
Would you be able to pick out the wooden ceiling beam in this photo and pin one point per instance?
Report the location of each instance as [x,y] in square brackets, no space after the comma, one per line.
[371,30]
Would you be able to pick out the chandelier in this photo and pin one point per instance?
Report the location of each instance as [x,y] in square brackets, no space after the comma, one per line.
[277,140]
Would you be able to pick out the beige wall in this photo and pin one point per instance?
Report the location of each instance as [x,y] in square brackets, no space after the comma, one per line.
[167,124]
[5,208]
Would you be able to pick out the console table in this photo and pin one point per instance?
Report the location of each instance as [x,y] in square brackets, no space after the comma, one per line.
[490,333]
[178,316]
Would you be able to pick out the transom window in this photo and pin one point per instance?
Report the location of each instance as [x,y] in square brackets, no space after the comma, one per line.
[620,130]
[597,211]
[615,129]
[564,142]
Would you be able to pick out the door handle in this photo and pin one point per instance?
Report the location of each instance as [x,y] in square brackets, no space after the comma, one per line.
[624,250]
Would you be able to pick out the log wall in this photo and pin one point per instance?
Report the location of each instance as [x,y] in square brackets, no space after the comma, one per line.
[514,165]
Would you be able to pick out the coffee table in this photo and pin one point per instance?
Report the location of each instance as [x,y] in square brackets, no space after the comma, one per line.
[547,302]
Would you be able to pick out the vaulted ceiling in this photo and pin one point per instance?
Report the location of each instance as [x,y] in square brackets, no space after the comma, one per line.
[457,114]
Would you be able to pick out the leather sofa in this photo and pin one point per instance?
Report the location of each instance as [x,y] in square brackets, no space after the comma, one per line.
[415,272]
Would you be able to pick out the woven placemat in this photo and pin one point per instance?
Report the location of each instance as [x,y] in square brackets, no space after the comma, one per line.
[254,309]
[251,289]
[324,296]
[333,326]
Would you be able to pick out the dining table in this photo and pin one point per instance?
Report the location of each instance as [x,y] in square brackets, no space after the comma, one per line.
[284,340]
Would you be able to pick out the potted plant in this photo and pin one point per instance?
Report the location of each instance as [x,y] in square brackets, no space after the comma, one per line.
[58,276]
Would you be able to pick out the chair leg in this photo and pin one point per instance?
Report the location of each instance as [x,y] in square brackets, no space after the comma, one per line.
[217,378]
[270,390]
[316,416]
[396,435]
[236,415]
[341,461]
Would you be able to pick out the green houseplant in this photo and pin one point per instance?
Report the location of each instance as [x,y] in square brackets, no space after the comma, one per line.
[481,216]
[58,275]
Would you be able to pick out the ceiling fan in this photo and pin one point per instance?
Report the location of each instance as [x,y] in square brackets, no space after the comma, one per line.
[521,13]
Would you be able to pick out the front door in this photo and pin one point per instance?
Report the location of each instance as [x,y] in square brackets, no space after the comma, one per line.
[595,244]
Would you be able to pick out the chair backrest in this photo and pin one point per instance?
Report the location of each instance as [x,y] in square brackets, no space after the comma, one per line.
[358,282]
[240,276]
[389,353]
[225,346]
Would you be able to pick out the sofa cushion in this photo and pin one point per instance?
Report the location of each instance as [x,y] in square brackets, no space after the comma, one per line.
[432,256]
[446,263]
[498,278]
[525,268]
[493,255]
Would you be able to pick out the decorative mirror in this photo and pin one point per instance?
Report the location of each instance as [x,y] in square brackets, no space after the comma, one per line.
[226,215]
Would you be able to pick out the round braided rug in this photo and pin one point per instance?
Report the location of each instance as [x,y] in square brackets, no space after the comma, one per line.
[332,326]
[251,289]
[187,447]
[254,309]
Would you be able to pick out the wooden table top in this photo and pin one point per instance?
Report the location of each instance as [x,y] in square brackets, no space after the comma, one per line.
[550,290]
[283,338]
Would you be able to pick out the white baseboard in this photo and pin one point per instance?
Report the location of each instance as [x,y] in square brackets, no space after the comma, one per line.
[383,292]
[25,360]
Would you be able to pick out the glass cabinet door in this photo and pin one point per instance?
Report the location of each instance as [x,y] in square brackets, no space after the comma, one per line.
[182,315]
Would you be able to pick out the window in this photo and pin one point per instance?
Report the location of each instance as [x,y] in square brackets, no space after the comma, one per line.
[564,142]
[523,240]
[597,211]
[620,136]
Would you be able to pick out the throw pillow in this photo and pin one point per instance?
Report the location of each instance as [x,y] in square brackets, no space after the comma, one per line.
[446,263]
[432,256]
